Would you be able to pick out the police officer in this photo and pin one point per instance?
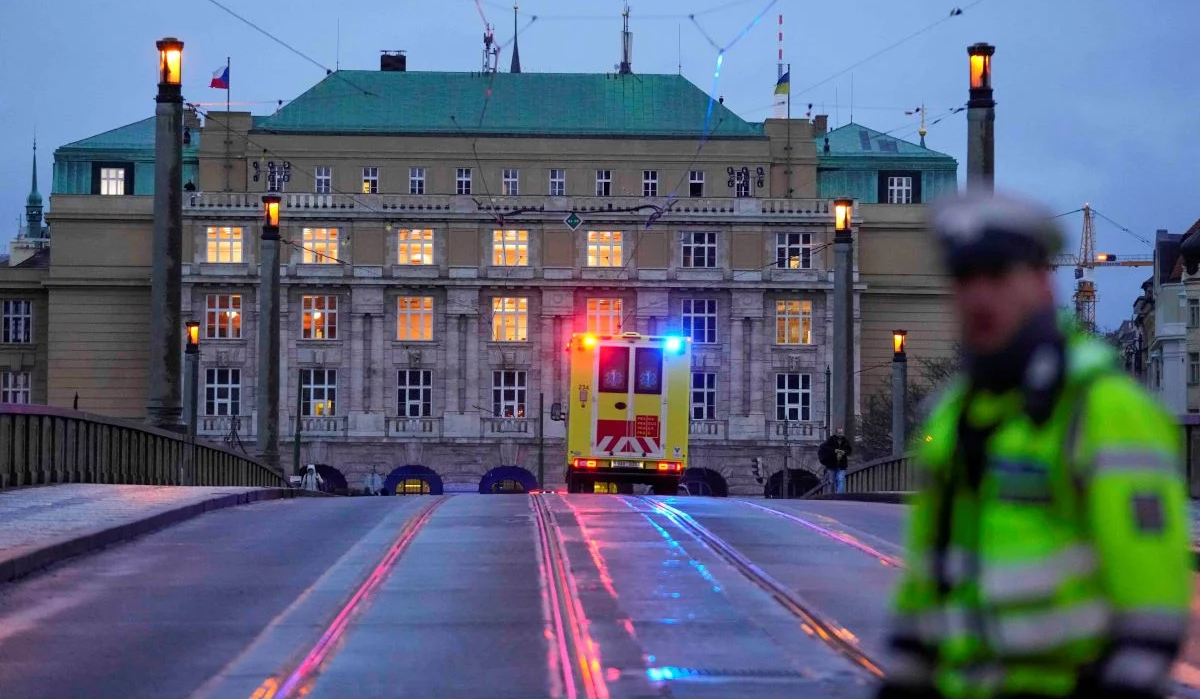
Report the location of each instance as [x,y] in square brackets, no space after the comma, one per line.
[1048,546]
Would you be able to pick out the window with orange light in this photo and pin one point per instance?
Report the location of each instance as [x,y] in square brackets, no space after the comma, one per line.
[223,316]
[319,317]
[604,249]
[415,247]
[793,322]
[224,245]
[510,319]
[604,316]
[510,248]
[414,318]
[320,246]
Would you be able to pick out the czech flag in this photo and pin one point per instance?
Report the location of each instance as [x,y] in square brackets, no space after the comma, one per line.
[220,78]
[784,85]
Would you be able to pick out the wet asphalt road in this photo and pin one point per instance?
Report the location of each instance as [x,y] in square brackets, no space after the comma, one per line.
[378,597]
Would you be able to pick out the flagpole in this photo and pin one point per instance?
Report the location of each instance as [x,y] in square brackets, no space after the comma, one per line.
[228,132]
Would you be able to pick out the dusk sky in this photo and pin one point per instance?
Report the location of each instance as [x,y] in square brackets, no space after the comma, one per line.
[1095,101]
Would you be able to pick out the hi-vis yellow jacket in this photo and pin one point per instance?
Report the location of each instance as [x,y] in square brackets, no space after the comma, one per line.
[1066,569]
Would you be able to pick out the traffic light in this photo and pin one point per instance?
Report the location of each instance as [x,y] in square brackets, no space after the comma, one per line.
[757,466]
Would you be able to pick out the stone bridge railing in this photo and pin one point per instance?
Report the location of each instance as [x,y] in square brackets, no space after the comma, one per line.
[890,474]
[42,445]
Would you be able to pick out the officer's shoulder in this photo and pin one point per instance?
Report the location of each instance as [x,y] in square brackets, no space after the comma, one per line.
[1116,399]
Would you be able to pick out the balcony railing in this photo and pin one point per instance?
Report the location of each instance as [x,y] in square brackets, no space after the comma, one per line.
[300,203]
[329,425]
[515,426]
[795,431]
[414,427]
[224,425]
[707,429]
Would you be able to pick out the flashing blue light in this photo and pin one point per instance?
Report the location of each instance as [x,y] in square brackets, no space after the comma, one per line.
[674,344]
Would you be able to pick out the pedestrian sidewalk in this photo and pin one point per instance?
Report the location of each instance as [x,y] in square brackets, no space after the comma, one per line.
[42,525]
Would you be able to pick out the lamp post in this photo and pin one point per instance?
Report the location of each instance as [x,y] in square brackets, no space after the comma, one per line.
[981,120]
[163,407]
[268,334]
[191,389]
[899,391]
[843,318]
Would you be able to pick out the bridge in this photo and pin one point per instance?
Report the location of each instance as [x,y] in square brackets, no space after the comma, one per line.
[455,595]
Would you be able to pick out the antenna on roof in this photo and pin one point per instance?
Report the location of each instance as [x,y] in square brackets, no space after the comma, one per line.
[491,51]
[626,67]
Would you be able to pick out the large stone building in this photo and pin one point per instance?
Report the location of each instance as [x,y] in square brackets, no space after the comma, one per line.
[431,283]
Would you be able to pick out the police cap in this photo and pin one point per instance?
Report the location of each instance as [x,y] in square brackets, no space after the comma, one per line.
[986,233]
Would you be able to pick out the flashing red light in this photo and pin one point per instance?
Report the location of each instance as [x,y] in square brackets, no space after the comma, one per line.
[586,463]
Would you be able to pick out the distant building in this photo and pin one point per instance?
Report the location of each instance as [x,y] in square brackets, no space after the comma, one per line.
[23,308]
[431,278]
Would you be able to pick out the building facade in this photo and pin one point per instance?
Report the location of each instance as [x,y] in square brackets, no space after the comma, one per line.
[1167,316]
[446,233]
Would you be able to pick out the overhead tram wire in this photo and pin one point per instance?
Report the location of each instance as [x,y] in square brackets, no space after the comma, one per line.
[294,50]
[651,17]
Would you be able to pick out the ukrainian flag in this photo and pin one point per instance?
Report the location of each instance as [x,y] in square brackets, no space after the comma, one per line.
[784,85]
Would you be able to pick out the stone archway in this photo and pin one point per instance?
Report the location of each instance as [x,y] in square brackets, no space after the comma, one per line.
[413,479]
[332,480]
[704,481]
[507,479]
[802,481]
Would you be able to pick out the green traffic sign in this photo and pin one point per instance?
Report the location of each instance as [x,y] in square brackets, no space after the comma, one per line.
[573,221]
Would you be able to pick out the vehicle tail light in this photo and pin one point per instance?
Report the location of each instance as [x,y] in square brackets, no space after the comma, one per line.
[669,466]
[586,463]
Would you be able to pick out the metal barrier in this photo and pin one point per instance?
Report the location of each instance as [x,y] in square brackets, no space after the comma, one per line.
[890,474]
[41,445]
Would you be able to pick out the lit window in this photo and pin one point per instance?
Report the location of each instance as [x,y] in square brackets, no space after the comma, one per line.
[414,393]
[224,245]
[16,322]
[112,181]
[223,316]
[699,250]
[324,179]
[416,180]
[510,248]
[414,318]
[604,183]
[320,318]
[15,387]
[793,322]
[604,249]
[320,246]
[416,247]
[793,397]
[649,183]
[793,250]
[704,395]
[222,392]
[462,181]
[508,393]
[510,319]
[700,320]
[318,392]
[558,183]
[511,182]
[900,189]
[696,183]
[370,180]
[604,316]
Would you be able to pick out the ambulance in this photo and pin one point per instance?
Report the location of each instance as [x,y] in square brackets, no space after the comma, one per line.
[627,412]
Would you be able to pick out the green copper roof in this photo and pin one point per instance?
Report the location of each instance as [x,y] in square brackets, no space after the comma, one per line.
[139,134]
[522,104]
[855,141]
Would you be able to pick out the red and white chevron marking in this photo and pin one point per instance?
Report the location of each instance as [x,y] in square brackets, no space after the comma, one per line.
[628,445]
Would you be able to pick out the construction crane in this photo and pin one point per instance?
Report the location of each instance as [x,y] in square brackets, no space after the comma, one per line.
[1085,264]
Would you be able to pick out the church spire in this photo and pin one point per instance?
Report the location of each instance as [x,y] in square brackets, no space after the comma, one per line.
[516,59]
[33,203]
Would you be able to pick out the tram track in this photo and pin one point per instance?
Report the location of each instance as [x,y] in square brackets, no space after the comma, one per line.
[833,534]
[296,678]
[819,626]
[574,660]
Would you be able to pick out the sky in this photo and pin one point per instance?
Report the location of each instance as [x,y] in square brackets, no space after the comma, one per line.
[1094,103]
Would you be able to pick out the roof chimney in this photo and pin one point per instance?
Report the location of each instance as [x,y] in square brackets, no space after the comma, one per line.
[820,124]
[393,61]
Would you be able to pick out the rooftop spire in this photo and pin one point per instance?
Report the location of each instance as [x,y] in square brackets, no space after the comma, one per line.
[626,66]
[516,59]
[34,198]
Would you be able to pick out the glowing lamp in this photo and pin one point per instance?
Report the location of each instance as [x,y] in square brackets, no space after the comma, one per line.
[1106,257]
[271,210]
[589,340]
[843,213]
[981,65]
[193,336]
[170,61]
[899,341]
[674,344]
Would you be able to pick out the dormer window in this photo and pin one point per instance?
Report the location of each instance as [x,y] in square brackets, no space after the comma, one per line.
[112,179]
[899,187]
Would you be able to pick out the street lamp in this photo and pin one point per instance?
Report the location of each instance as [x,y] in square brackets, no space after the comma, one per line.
[163,405]
[899,391]
[981,119]
[843,317]
[268,334]
[191,396]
